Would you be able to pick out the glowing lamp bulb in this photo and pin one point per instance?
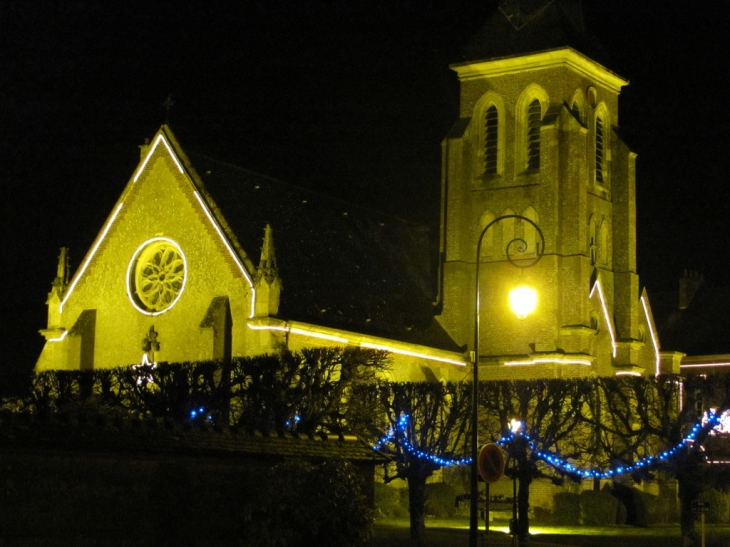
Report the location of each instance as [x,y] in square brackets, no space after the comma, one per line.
[523,301]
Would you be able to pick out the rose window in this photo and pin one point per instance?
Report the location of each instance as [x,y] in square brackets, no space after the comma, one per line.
[157,276]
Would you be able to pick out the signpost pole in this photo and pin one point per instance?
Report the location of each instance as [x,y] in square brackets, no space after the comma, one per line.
[702,507]
[486,514]
[703,529]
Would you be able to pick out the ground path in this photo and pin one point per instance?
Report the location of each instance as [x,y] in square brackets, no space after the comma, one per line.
[455,533]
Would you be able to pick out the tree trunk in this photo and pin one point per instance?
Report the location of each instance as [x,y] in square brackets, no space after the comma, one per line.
[417,508]
[523,506]
[689,490]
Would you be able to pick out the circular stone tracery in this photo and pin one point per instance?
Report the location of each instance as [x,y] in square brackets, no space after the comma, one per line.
[156,276]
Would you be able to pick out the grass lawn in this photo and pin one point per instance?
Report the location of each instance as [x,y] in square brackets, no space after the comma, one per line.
[455,533]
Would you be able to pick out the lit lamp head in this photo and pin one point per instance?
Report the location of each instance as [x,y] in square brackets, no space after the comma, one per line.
[523,301]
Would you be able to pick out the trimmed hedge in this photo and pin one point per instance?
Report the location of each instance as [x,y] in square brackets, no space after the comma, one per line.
[567,509]
[597,508]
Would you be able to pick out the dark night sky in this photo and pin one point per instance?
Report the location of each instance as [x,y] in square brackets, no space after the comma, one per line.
[349,98]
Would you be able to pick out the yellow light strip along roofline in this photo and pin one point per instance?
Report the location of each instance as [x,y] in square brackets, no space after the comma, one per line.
[163,140]
[230,250]
[653,336]
[602,298]
[295,330]
[140,169]
[315,333]
[554,361]
[412,353]
[628,373]
[59,338]
[700,365]
[89,256]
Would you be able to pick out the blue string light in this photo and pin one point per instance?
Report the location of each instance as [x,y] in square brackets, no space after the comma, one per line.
[408,447]
[553,458]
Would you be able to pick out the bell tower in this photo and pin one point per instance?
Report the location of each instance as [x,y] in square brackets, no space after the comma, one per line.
[536,137]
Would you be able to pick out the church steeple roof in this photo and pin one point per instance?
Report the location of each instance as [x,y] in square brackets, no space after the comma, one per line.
[525,26]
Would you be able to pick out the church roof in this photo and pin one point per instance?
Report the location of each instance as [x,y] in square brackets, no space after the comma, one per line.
[699,329]
[341,265]
[526,26]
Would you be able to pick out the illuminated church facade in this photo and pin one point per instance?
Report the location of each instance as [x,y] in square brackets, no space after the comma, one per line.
[201,260]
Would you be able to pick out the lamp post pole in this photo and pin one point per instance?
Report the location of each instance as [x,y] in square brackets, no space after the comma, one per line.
[519,245]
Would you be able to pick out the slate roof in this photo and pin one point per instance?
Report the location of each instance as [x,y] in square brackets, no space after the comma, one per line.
[703,328]
[341,265]
[525,26]
[102,433]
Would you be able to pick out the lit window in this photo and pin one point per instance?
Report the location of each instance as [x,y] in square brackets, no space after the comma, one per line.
[534,112]
[491,139]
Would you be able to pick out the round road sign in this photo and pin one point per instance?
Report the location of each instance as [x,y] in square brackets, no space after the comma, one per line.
[491,462]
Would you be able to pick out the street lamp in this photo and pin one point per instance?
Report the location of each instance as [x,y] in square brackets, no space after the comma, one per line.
[522,301]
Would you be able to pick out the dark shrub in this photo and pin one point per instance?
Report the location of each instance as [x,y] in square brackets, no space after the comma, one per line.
[597,508]
[440,500]
[305,504]
[390,502]
[567,509]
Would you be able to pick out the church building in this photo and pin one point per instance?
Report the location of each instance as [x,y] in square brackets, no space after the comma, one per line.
[203,260]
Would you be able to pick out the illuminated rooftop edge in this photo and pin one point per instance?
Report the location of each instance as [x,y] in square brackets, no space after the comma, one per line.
[356,339]
[597,286]
[653,335]
[159,139]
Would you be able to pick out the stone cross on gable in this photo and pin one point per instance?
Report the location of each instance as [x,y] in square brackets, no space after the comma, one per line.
[150,344]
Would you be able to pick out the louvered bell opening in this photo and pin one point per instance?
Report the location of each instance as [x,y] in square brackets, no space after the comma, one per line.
[599,151]
[491,136]
[533,135]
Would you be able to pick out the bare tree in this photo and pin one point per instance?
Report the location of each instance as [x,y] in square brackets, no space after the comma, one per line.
[427,425]
[648,419]
[305,391]
[548,412]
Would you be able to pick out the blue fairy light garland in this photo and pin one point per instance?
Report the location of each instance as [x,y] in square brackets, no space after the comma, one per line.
[553,458]
[408,447]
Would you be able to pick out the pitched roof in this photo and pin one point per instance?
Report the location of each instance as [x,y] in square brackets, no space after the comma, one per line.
[525,26]
[702,328]
[341,265]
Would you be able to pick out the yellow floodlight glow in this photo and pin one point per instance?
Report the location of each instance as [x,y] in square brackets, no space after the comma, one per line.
[515,426]
[704,365]
[160,139]
[523,301]
[530,362]
[230,250]
[597,287]
[412,353]
[89,256]
[628,373]
[653,336]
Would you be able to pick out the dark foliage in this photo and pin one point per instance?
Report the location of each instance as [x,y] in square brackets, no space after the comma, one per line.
[306,391]
[304,504]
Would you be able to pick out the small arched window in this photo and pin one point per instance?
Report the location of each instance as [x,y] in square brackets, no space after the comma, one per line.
[534,113]
[491,140]
[600,152]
